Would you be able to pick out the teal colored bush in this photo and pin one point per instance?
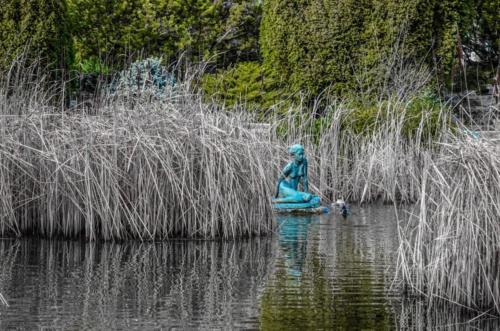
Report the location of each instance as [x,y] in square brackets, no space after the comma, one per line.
[146,78]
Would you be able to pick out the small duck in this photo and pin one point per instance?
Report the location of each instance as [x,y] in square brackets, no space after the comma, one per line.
[342,207]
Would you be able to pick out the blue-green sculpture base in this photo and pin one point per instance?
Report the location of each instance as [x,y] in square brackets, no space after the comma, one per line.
[301,211]
[310,207]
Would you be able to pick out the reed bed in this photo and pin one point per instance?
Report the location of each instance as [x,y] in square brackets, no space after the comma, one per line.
[450,248]
[380,163]
[135,169]
[130,166]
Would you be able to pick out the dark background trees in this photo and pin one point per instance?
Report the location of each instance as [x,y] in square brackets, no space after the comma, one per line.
[114,32]
[269,46]
[319,44]
[37,30]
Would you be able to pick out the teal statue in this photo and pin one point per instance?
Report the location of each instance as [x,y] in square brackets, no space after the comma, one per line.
[288,197]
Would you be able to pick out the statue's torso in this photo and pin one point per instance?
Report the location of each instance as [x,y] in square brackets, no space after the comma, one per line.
[294,172]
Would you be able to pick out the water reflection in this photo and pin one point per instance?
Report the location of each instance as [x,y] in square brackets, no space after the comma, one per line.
[292,239]
[317,272]
[416,314]
[331,274]
[184,284]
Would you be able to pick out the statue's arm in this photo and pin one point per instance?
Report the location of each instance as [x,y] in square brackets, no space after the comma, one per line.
[286,171]
[283,174]
[306,182]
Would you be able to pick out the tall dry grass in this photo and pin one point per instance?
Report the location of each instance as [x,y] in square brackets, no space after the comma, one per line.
[381,162]
[450,248]
[145,168]
[138,168]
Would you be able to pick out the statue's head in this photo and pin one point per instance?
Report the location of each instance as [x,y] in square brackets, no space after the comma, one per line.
[297,151]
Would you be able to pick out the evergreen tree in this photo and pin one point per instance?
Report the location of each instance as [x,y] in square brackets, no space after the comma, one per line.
[238,40]
[484,38]
[220,31]
[346,44]
[39,29]
[110,31]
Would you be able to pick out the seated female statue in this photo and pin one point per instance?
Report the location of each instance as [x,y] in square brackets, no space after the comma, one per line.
[294,173]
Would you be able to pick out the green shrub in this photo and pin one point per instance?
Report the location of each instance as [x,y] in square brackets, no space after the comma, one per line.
[201,30]
[422,111]
[92,65]
[247,83]
[350,45]
[425,109]
[38,30]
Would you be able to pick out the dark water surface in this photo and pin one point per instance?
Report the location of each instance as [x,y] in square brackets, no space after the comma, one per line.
[320,272]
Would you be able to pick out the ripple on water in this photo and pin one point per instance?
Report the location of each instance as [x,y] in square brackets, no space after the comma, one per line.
[318,272]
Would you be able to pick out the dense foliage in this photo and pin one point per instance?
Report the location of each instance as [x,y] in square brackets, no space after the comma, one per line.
[38,30]
[198,29]
[258,50]
[247,83]
[351,44]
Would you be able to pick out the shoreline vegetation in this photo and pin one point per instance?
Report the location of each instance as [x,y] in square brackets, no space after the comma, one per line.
[450,247]
[146,168]
[133,169]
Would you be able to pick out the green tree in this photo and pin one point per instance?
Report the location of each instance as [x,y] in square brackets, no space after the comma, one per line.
[246,83]
[347,44]
[311,44]
[238,40]
[38,29]
[220,31]
[110,31]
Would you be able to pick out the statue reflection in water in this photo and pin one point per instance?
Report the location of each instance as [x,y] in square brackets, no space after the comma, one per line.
[293,232]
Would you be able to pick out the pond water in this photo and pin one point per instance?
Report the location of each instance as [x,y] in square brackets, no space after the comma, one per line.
[316,272]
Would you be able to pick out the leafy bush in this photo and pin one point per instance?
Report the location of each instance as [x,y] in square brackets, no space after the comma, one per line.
[92,65]
[247,83]
[421,112]
[39,31]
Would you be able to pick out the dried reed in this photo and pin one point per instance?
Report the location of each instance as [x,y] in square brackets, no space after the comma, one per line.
[137,169]
[380,163]
[450,249]
[3,301]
